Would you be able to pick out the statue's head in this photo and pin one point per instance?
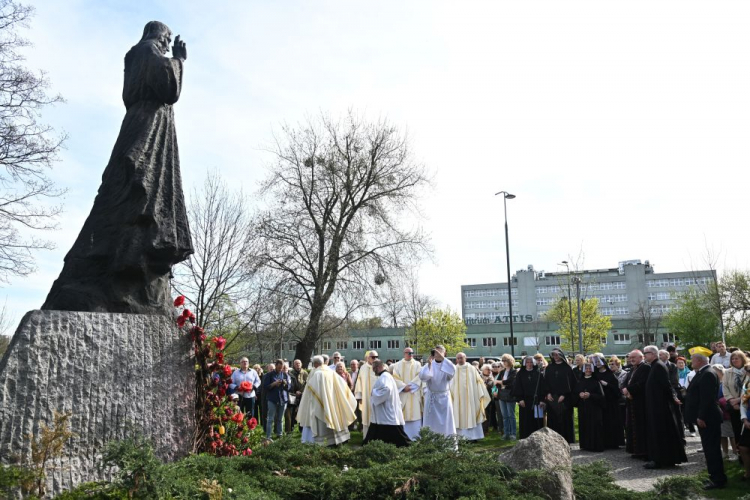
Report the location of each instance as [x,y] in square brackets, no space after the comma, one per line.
[160,33]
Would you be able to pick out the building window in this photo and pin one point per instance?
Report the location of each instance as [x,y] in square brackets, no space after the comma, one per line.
[604,340]
[470,342]
[506,341]
[394,344]
[489,342]
[326,345]
[375,344]
[618,285]
[358,345]
[668,338]
[552,340]
[659,296]
[341,344]
[545,301]
[621,338]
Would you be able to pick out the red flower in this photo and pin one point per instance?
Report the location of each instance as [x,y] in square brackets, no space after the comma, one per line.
[180,300]
[246,386]
[245,440]
[238,417]
[220,342]
[252,423]
[192,318]
[181,321]
[186,313]
[228,371]
[220,357]
[247,452]
[221,392]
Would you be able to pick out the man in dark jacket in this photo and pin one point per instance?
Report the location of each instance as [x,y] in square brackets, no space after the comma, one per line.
[666,440]
[702,409]
[276,390]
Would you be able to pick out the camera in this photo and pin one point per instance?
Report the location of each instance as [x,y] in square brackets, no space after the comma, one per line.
[432,353]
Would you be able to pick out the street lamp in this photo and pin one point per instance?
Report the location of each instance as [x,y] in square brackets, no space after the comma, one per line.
[508,196]
[570,299]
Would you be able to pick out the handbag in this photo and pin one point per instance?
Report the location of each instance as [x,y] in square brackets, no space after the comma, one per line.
[505,395]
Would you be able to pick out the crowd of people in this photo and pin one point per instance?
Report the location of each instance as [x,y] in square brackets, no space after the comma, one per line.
[649,403]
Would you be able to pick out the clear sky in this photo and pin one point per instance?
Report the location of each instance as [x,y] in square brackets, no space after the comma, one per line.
[623,127]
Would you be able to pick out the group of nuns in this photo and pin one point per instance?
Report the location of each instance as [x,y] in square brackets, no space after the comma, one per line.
[554,390]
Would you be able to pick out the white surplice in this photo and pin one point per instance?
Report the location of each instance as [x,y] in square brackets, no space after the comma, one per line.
[438,407]
[385,404]
[470,397]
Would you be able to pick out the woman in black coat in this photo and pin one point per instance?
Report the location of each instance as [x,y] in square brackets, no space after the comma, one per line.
[528,391]
[614,435]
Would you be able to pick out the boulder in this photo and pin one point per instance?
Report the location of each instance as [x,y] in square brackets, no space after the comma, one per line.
[110,371]
[544,450]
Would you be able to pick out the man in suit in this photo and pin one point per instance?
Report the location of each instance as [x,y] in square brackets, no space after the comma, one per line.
[702,408]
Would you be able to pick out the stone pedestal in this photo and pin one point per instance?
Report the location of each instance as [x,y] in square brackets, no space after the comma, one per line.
[109,370]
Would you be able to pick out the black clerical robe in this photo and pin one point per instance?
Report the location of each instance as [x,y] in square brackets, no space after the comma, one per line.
[560,381]
[613,429]
[666,444]
[635,428]
[590,414]
[528,388]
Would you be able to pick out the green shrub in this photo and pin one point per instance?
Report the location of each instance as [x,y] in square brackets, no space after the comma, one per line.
[679,487]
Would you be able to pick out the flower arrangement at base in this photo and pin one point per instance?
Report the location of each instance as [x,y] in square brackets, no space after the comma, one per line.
[222,429]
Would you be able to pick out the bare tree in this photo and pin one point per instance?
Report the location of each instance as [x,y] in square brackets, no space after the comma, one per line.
[339,195]
[219,275]
[647,322]
[28,149]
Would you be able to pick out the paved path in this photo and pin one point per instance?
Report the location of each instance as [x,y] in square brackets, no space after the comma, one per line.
[629,473]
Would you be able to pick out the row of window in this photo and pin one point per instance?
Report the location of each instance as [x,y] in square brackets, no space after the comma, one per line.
[662,283]
[660,296]
[614,311]
[488,304]
[620,297]
[546,301]
[490,292]
[549,340]
[660,309]
[593,287]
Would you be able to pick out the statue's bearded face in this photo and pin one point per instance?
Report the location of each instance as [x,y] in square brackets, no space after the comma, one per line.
[163,42]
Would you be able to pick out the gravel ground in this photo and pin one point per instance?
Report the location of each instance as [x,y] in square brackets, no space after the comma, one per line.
[629,473]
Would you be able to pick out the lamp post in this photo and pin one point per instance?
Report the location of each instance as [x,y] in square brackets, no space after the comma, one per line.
[570,299]
[577,282]
[508,196]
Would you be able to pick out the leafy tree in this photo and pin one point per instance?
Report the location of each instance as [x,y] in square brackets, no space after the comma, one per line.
[693,319]
[594,325]
[438,326]
[28,149]
[647,322]
[338,197]
[734,293]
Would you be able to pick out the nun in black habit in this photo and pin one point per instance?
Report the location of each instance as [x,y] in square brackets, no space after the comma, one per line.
[613,428]
[589,398]
[528,391]
[559,386]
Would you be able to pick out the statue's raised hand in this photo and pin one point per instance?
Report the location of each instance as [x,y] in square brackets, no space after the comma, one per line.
[179,49]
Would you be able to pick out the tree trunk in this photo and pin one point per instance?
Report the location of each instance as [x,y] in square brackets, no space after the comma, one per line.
[305,347]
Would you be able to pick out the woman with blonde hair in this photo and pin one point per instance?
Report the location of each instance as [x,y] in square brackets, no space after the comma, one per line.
[732,384]
[507,401]
[341,371]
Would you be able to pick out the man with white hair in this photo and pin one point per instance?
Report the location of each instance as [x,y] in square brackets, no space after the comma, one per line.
[406,375]
[327,409]
[470,397]
[386,417]
[666,439]
[363,388]
[702,409]
[438,407]
[336,358]
[636,442]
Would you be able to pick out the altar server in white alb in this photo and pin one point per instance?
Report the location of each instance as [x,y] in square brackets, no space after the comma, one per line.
[438,408]
[327,407]
[470,397]
[386,418]
[406,375]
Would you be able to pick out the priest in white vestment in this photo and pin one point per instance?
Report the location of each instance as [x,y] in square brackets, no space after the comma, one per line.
[438,408]
[366,379]
[470,398]
[386,417]
[327,407]
[406,375]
